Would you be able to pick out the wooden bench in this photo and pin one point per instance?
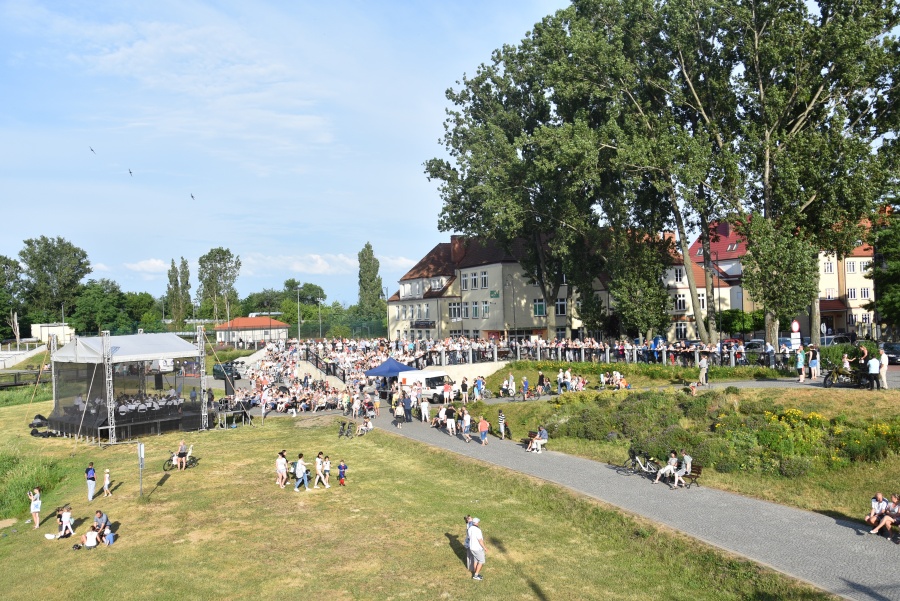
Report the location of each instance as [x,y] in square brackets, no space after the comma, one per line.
[531,435]
[696,472]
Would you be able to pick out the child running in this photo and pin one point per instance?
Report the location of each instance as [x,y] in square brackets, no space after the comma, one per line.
[342,472]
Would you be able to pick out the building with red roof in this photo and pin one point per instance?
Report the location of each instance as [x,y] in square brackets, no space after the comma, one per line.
[259,328]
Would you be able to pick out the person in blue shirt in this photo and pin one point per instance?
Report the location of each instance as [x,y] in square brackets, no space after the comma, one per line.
[342,472]
[525,386]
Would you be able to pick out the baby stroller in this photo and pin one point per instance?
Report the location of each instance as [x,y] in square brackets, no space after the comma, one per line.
[368,409]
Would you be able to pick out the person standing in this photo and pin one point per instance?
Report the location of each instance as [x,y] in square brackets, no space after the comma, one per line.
[342,473]
[91,477]
[704,371]
[882,371]
[182,456]
[464,388]
[466,424]
[326,469]
[320,475]
[483,427]
[106,481]
[35,498]
[300,473]
[407,408]
[477,548]
[813,362]
[874,373]
[801,364]
[501,424]
[281,469]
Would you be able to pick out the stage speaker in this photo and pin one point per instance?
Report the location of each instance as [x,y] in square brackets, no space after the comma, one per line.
[229,387]
[157,382]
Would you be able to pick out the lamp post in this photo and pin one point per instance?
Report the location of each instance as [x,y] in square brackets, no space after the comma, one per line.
[319,302]
[511,284]
[298,314]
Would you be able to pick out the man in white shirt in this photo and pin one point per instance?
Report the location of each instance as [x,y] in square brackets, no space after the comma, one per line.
[879,506]
[882,370]
[476,547]
[874,373]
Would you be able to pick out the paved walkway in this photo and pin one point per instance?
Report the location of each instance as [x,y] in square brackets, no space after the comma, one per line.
[838,556]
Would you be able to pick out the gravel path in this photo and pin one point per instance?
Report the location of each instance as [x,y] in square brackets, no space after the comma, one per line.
[836,555]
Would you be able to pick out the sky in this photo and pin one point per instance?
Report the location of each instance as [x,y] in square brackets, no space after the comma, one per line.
[290,132]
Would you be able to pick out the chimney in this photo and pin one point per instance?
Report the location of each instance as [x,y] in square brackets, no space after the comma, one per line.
[457,249]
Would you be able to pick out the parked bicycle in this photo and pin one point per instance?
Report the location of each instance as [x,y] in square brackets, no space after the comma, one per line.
[172,462]
[533,394]
[638,463]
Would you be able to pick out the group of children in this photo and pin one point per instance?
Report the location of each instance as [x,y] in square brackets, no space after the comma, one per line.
[301,472]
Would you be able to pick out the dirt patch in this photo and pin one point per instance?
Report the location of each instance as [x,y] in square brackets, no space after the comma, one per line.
[7,523]
[315,421]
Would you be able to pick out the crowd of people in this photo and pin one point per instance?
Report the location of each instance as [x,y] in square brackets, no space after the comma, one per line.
[299,469]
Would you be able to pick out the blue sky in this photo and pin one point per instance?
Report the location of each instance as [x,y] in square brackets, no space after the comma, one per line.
[299,127]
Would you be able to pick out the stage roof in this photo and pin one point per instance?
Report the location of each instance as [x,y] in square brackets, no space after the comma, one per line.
[136,347]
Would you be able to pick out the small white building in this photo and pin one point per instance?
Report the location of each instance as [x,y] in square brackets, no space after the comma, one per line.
[250,330]
[42,331]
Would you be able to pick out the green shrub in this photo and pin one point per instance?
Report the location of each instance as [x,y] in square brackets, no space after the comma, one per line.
[672,438]
[20,474]
[728,464]
[794,467]
[734,390]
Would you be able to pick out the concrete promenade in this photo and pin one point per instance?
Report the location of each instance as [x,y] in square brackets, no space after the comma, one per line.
[838,556]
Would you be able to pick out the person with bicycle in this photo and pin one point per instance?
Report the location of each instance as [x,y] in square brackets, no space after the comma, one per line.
[182,455]
[669,468]
[525,394]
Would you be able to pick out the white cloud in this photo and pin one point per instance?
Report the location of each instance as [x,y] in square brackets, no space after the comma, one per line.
[148,266]
[100,267]
[396,263]
[258,264]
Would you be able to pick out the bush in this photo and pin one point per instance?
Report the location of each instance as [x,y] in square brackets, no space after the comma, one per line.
[728,464]
[794,467]
[21,473]
[734,390]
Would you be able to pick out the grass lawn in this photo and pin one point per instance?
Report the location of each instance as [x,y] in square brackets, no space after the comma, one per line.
[224,530]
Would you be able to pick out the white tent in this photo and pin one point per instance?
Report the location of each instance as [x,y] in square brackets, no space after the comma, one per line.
[125,349]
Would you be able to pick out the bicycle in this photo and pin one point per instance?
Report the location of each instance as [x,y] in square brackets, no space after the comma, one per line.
[638,463]
[172,462]
[533,394]
[487,394]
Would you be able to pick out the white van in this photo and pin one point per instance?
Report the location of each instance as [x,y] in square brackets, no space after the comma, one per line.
[162,366]
[432,383]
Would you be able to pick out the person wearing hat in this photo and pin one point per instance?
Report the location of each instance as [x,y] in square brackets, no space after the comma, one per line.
[476,547]
[882,371]
[106,478]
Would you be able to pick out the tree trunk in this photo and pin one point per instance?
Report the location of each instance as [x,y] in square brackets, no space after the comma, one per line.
[688,272]
[771,329]
[712,317]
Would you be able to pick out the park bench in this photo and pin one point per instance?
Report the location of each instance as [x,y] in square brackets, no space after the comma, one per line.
[696,472]
[532,434]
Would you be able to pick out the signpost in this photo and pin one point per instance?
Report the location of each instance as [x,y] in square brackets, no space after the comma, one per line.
[141,466]
[795,335]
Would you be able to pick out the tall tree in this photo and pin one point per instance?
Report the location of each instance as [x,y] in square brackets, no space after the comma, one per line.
[101,306]
[371,303]
[10,297]
[178,292]
[52,272]
[217,272]
[885,270]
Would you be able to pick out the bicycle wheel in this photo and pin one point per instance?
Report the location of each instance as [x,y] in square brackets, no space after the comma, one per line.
[487,394]
[652,467]
[169,465]
[828,382]
[191,462]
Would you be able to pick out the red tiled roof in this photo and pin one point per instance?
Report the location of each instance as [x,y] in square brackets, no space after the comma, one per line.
[832,304]
[475,252]
[252,323]
[722,237]
[435,263]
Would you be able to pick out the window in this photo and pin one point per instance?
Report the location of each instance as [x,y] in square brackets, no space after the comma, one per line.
[465,310]
[863,293]
[680,302]
[474,309]
[851,293]
[828,267]
[561,333]
[397,337]
[681,330]
[700,251]
[404,312]
[679,274]
[484,279]
[850,266]
[560,306]
[456,332]
[417,289]
[474,278]
[865,318]
[453,309]
[398,311]
[436,284]
[851,319]
[830,293]
[476,334]
[732,247]
[419,312]
[864,265]
[702,298]
[464,281]
[485,309]
[539,309]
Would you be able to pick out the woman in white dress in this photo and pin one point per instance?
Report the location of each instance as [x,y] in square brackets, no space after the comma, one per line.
[35,497]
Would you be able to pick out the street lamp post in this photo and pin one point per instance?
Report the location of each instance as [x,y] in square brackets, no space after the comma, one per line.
[319,302]
[298,314]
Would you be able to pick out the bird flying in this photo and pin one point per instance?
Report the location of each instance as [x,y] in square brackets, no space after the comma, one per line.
[92,150]
[192,196]
[130,173]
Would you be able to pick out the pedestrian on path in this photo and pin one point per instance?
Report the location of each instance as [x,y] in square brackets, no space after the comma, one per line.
[704,371]
[466,424]
[91,477]
[501,424]
[483,427]
[801,364]
[477,547]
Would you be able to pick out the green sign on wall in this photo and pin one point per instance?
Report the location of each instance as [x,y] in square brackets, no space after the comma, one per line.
[495,294]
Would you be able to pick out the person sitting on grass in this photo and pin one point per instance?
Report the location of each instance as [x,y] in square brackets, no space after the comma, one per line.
[108,537]
[890,517]
[365,427]
[91,538]
[879,507]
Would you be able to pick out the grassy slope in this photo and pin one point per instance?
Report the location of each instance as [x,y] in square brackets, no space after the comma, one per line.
[224,531]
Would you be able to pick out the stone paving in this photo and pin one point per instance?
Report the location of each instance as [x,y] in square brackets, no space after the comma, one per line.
[836,555]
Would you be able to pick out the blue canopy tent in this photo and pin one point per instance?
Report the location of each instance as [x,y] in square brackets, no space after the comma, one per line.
[389,369]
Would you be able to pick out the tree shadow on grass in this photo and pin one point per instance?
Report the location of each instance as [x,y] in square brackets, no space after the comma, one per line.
[534,586]
[457,547]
